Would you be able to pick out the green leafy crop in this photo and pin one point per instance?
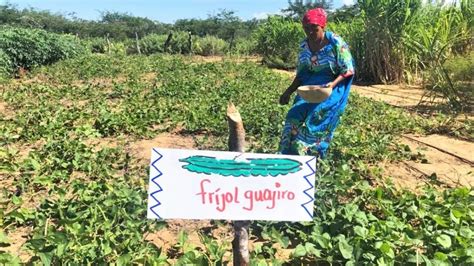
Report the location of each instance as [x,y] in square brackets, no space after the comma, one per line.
[85,203]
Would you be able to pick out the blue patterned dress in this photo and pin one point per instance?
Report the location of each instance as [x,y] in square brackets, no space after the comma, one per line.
[309,127]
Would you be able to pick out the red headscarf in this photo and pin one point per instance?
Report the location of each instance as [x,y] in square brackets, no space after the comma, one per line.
[315,16]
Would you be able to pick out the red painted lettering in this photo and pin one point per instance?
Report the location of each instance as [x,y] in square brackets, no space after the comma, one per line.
[249,195]
[203,193]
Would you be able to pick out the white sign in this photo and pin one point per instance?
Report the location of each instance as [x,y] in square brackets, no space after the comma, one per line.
[193,184]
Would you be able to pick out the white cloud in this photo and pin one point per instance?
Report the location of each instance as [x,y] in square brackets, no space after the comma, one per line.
[347,2]
[261,15]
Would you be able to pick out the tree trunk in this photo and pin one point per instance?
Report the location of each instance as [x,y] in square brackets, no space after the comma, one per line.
[240,248]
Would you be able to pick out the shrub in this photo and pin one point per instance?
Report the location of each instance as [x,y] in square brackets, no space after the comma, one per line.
[278,40]
[150,44]
[461,67]
[117,48]
[154,43]
[28,48]
[179,43]
[244,46]
[209,45]
[460,70]
[96,45]
[5,64]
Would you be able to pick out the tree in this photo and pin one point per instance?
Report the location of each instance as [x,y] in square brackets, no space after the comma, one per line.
[225,25]
[297,8]
[124,25]
[345,13]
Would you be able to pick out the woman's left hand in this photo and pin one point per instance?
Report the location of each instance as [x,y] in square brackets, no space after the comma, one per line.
[285,98]
[329,85]
[334,83]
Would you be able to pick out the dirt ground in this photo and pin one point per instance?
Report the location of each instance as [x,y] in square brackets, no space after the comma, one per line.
[435,165]
[451,159]
[392,94]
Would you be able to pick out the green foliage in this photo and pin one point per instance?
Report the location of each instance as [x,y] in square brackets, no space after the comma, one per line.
[174,43]
[461,68]
[346,14]
[384,24]
[409,41]
[130,24]
[455,82]
[93,205]
[180,43]
[151,44]
[244,46]
[397,41]
[5,64]
[101,223]
[278,40]
[9,259]
[10,14]
[225,25]
[297,8]
[28,48]
[116,25]
[430,47]
[96,45]
[209,45]
[118,48]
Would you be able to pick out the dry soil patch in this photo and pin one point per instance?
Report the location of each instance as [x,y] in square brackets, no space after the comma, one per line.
[5,111]
[17,239]
[434,166]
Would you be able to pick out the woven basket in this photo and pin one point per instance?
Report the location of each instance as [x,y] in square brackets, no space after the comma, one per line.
[313,93]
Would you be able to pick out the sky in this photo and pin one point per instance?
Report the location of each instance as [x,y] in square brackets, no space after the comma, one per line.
[167,11]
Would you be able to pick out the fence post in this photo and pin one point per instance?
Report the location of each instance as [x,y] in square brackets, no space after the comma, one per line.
[168,42]
[137,43]
[236,142]
[108,43]
[190,42]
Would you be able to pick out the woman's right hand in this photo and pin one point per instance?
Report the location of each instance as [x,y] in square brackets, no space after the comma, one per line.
[285,98]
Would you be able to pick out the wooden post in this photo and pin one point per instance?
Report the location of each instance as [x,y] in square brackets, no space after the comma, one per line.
[108,43]
[137,43]
[190,43]
[236,129]
[236,142]
[231,45]
[168,42]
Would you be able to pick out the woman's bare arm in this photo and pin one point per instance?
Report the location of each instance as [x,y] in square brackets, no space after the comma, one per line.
[334,83]
[285,97]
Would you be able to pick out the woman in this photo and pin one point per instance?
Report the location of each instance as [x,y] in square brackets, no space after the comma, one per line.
[324,60]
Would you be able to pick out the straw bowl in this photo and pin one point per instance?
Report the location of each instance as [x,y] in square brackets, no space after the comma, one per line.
[314,93]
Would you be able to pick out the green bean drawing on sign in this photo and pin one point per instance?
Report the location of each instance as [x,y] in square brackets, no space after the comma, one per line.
[250,167]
